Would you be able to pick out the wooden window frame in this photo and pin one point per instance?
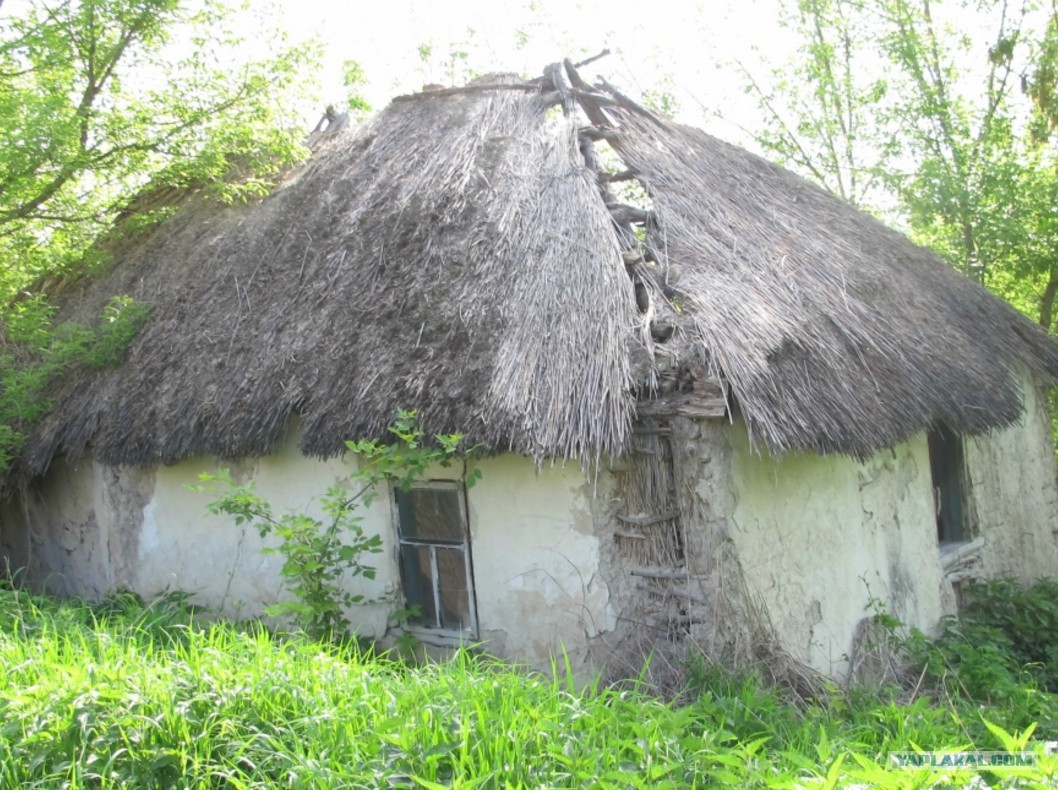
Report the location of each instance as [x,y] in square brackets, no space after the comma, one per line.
[438,634]
[949,479]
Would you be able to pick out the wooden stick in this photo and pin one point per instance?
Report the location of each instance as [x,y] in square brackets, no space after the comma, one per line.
[600,99]
[622,212]
[555,73]
[528,88]
[596,133]
[646,521]
[650,431]
[592,59]
[652,573]
[591,109]
[675,592]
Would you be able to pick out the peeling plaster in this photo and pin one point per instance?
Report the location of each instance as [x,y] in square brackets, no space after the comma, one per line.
[536,555]
[820,537]
[1015,502]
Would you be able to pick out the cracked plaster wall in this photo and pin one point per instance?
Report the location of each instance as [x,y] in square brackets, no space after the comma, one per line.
[88,529]
[819,537]
[1015,500]
[816,538]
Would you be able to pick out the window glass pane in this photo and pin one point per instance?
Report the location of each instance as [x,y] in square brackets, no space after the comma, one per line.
[430,514]
[417,576]
[946,468]
[454,592]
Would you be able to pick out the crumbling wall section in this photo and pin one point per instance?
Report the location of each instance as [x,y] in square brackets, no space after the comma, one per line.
[827,542]
[543,586]
[74,530]
[1014,496]
[542,582]
[677,577]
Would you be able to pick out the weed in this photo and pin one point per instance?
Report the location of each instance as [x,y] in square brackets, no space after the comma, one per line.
[1001,650]
[127,694]
[320,555]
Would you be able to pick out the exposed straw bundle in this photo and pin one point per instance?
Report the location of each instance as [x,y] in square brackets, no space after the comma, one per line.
[835,333]
[455,256]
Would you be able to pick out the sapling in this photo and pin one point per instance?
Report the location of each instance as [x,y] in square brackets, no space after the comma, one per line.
[322,554]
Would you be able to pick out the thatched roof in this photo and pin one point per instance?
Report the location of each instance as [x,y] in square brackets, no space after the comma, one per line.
[457,256]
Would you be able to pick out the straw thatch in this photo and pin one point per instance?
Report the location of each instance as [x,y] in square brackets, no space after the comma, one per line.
[456,256]
[834,332]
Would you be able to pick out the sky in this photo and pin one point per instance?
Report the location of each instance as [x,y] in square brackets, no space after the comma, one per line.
[683,47]
[693,50]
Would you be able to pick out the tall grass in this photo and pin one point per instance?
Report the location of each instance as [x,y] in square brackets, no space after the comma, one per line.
[125,695]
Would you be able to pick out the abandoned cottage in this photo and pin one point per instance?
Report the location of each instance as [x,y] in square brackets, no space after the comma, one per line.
[721,409]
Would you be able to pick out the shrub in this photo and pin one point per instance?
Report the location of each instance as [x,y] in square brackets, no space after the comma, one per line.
[1001,650]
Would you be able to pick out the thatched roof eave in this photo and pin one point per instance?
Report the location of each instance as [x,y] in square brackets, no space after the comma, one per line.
[460,255]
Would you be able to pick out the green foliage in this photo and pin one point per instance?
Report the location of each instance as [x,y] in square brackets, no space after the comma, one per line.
[915,109]
[101,98]
[36,354]
[828,113]
[122,319]
[1001,649]
[449,62]
[1042,84]
[662,97]
[95,105]
[407,459]
[321,555]
[126,694]
[354,79]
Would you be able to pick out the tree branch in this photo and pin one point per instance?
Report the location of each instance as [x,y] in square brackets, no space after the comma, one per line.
[96,159]
[1050,292]
[803,158]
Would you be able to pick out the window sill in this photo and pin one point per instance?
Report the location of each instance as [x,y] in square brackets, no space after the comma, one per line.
[440,638]
[959,561]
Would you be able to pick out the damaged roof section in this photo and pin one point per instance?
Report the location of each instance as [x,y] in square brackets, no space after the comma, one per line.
[461,255]
[836,333]
[832,332]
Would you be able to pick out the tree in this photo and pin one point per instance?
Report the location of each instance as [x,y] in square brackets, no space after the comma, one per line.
[99,99]
[94,108]
[827,112]
[936,117]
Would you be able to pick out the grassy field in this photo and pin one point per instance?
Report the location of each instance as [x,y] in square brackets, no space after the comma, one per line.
[125,695]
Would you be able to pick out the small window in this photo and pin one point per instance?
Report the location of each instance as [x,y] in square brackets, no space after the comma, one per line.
[948,470]
[435,567]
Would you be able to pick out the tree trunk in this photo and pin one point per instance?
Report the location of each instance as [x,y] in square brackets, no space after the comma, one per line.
[1047,300]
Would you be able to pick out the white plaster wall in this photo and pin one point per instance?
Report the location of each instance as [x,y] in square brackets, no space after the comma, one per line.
[819,537]
[1015,501]
[536,561]
[535,553]
[93,529]
[182,547]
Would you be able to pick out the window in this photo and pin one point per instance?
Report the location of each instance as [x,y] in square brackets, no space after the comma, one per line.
[948,470]
[435,567]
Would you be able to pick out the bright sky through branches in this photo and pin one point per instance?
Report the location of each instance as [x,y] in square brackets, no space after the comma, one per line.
[666,45]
